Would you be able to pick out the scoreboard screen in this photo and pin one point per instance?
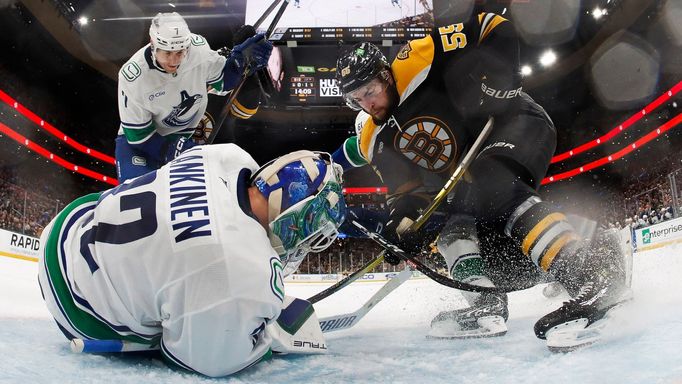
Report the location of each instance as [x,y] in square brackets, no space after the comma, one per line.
[306,75]
[302,87]
[348,34]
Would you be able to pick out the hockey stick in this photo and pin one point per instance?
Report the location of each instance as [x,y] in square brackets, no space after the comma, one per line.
[456,176]
[109,346]
[347,320]
[348,279]
[266,13]
[437,277]
[449,185]
[233,95]
[327,324]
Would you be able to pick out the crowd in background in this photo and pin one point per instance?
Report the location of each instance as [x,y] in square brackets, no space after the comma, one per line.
[21,209]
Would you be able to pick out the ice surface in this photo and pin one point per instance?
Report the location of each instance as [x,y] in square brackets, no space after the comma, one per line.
[642,345]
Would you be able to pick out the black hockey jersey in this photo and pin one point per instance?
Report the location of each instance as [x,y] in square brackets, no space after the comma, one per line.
[449,83]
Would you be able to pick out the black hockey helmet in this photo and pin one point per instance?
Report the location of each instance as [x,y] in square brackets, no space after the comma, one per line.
[358,66]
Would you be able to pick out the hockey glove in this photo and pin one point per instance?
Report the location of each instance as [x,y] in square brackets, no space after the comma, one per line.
[404,210]
[246,58]
[175,147]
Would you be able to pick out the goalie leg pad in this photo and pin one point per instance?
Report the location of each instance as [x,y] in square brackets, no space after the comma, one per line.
[297,329]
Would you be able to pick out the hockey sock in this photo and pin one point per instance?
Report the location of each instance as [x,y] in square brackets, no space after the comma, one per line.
[458,244]
[546,236]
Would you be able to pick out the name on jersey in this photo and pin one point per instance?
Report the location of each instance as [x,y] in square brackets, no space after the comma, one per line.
[509,94]
[189,213]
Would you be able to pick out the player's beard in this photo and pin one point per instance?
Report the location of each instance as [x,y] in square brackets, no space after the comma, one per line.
[393,98]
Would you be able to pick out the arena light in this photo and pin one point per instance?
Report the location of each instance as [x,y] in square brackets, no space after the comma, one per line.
[54,131]
[526,70]
[624,71]
[364,190]
[616,155]
[54,158]
[545,23]
[83,20]
[598,13]
[621,127]
[548,58]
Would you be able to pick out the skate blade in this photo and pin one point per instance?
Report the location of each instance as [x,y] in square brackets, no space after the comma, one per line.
[574,335]
[489,326]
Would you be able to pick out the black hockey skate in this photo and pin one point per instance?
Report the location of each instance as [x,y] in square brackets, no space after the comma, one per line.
[485,318]
[579,322]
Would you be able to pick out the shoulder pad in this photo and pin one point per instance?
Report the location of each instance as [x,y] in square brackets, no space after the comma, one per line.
[198,40]
[412,64]
[360,121]
[130,71]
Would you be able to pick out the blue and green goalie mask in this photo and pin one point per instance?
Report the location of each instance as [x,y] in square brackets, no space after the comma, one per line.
[305,204]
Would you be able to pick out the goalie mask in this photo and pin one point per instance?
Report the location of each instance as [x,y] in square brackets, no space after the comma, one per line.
[305,204]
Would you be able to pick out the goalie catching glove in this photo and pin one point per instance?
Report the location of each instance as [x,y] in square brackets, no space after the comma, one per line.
[404,210]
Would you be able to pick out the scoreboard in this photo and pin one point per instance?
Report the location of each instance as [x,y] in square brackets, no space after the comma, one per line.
[306,89]
[306,74]
[302,87]
[348,34]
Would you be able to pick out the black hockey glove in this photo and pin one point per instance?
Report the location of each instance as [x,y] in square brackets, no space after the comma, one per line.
[247,57]
[404,210]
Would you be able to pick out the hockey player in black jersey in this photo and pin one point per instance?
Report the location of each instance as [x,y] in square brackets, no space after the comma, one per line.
[417,118]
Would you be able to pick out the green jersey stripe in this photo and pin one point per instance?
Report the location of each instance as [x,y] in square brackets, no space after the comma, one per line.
[81,320]
[351,149]
[138,135]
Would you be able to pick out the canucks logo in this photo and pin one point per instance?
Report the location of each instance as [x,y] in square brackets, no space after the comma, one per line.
[178,116]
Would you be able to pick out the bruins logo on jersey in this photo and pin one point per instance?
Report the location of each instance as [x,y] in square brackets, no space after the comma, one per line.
[404,52]
[203,130]
[427,142]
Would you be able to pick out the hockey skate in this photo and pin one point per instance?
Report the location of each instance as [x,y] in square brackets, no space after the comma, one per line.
[580,321]
[485,318]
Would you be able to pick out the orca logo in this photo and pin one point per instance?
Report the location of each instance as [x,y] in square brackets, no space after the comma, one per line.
[427,142]
[176,118]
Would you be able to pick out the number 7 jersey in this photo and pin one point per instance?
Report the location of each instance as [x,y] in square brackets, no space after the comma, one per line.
[172,257]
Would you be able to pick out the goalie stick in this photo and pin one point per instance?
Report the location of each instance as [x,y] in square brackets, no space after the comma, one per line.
[233,95]
[348,279]
[347,320]
[327,324]
[115,346]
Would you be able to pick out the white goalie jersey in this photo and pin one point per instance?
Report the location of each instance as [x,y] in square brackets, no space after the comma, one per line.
[151,100]
[170,258]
